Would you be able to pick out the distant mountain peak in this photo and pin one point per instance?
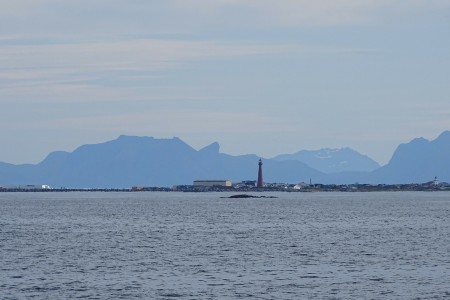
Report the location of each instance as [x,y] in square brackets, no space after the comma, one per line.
[444,135]
[327,153]
[132,137]
[212,148]
[333,160]
[124,137]
[418,161]
[419,140]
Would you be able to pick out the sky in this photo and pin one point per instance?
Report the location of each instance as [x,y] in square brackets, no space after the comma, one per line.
[258,76]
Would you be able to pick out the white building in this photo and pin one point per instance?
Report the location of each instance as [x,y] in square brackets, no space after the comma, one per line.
[212,183]
[300,186]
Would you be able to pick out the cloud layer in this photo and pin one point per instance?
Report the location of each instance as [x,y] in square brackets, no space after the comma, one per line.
[306,74]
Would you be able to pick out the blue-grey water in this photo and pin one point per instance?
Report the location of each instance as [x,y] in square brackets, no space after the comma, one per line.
[200,246]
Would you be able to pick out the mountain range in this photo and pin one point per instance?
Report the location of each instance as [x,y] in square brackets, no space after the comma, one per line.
[128,161]
[333,160]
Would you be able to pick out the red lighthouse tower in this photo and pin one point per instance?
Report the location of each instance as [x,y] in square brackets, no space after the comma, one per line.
[260,183]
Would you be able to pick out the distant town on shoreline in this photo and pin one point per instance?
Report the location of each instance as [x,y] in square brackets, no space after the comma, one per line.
[200,186]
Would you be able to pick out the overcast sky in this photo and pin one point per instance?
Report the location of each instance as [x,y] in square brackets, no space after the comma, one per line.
[258,76]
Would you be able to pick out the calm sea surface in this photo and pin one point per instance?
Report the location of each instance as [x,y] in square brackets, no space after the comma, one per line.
[200,246]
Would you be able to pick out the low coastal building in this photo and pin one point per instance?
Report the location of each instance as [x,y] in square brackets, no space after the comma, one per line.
[28,187]
[246,184]
[227,183]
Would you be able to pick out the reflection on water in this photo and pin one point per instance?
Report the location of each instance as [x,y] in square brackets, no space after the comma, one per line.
[200,246]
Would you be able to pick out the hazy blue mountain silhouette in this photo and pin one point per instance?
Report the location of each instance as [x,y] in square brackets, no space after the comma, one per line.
[333,160]
[129,161]
[416,162]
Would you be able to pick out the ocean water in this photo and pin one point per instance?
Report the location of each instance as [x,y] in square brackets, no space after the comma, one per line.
[200,246]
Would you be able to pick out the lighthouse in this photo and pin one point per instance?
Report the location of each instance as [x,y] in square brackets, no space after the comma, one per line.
[260,183]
